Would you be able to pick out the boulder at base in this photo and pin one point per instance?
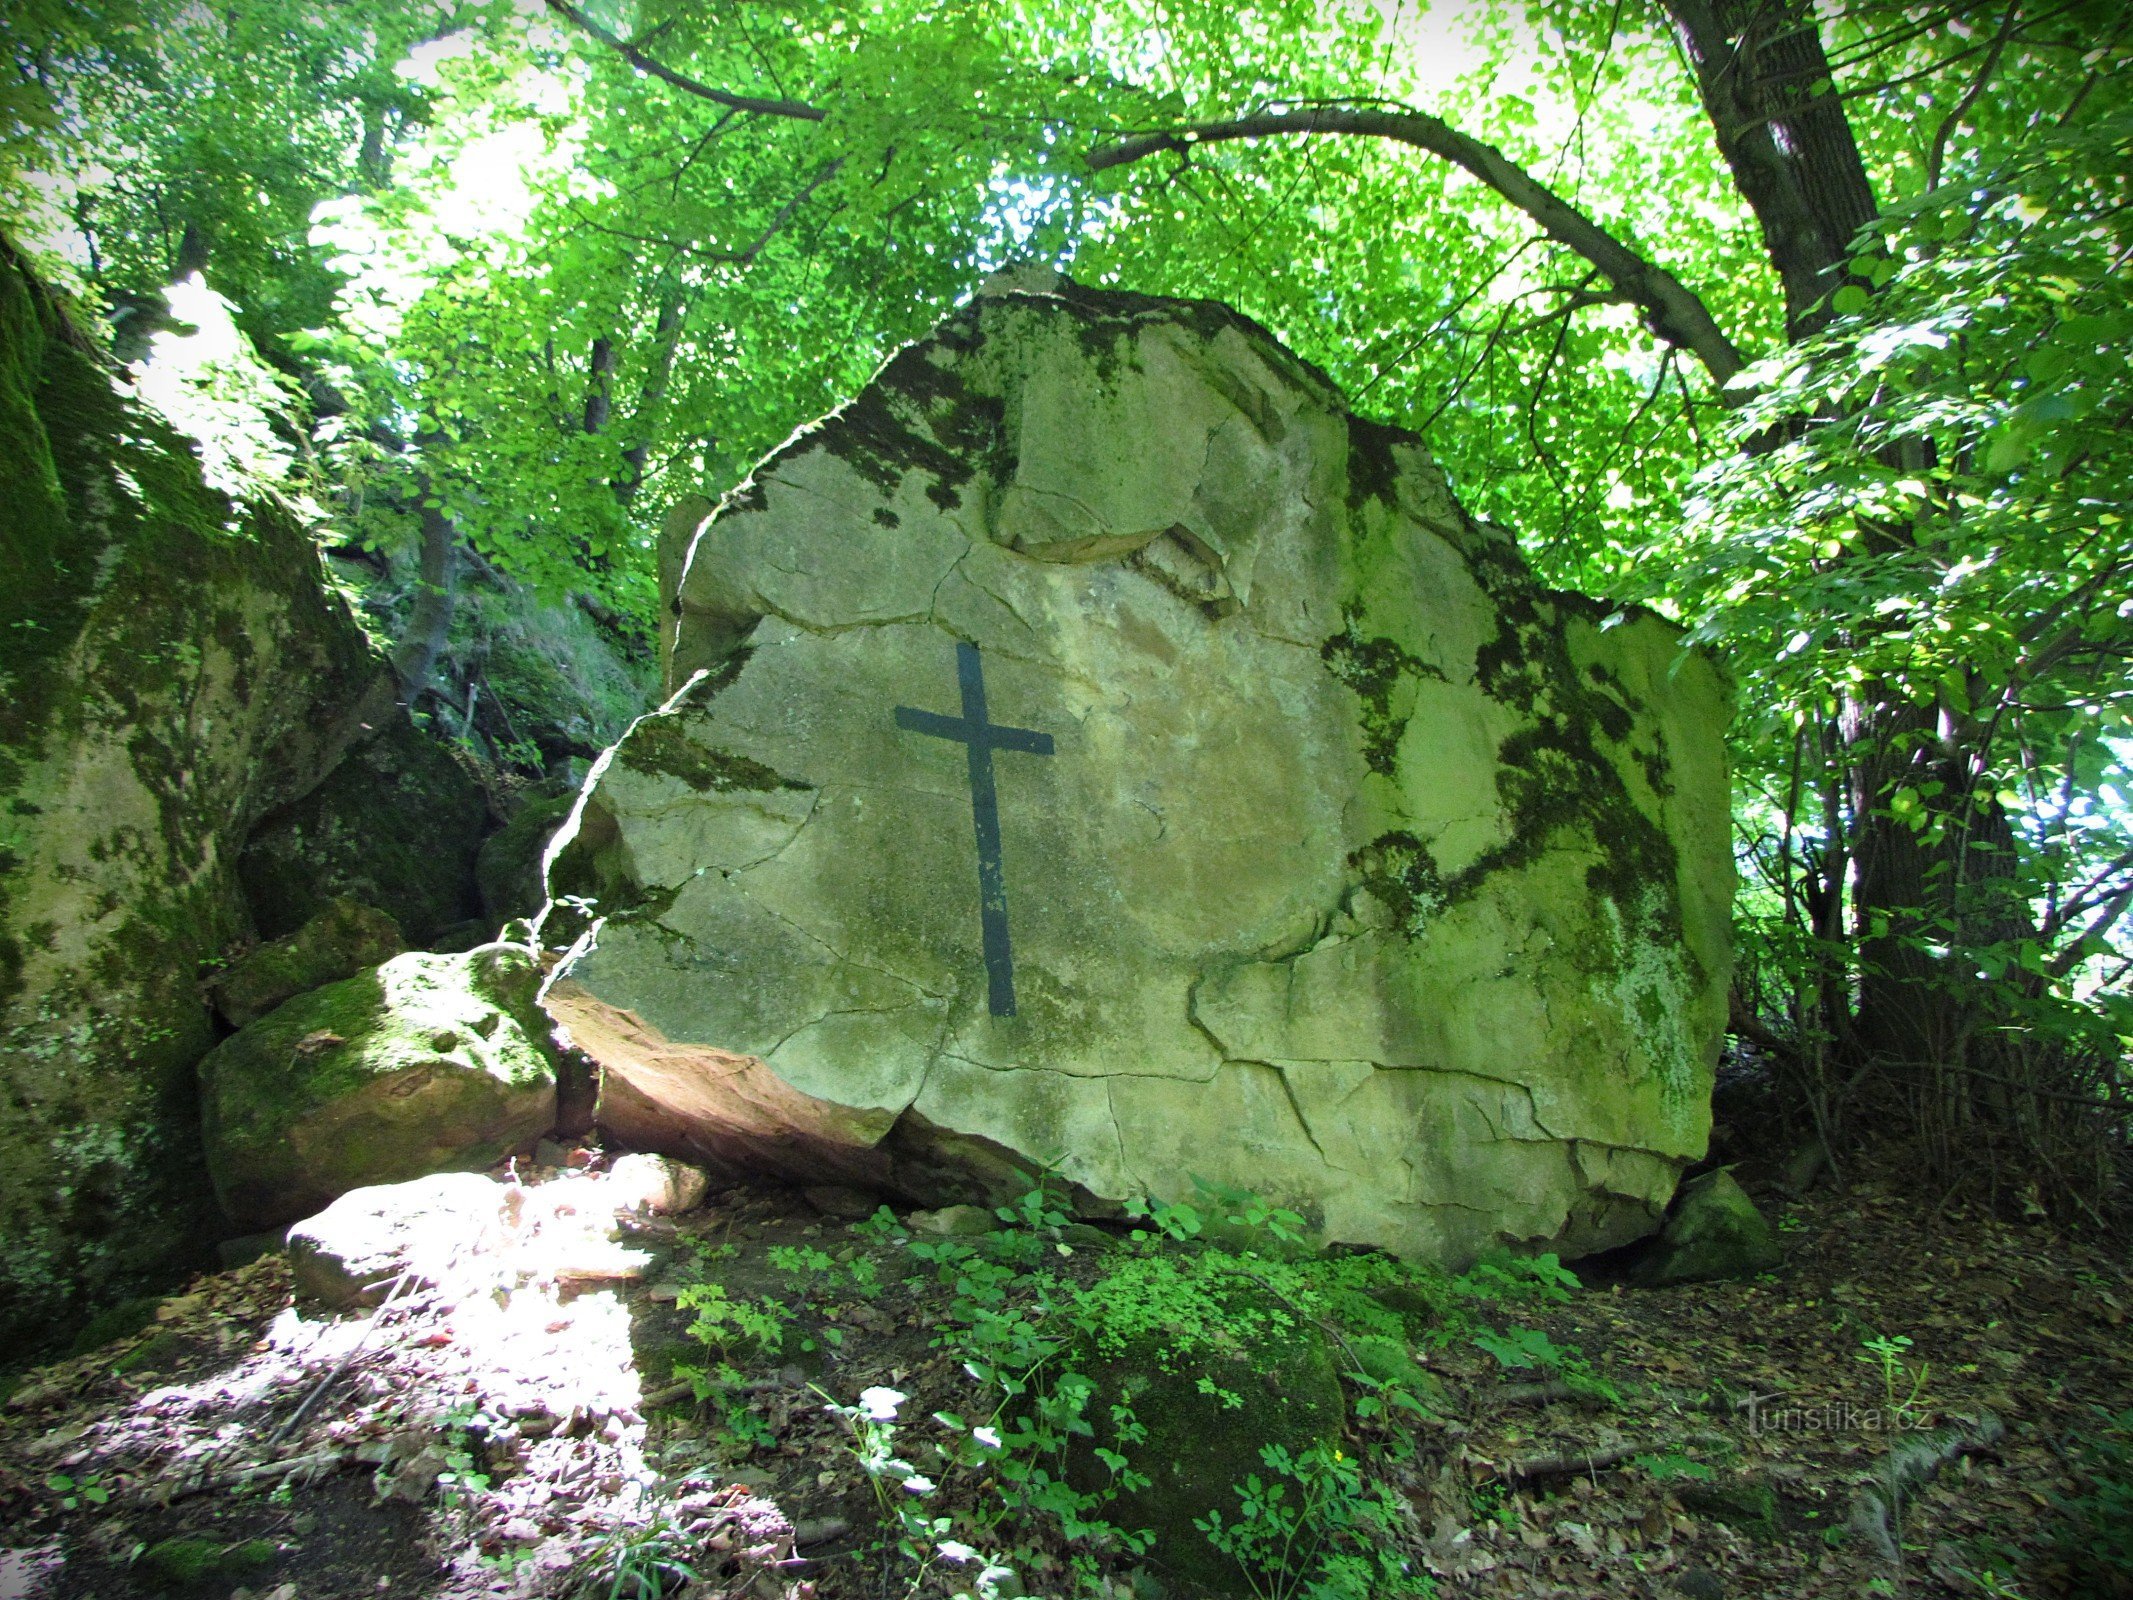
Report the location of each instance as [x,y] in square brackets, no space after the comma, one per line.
[1713,1232]
[1095,747]
[353,1252]
[428,1063]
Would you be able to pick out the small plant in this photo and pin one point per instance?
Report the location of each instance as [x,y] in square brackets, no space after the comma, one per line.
[74,1493]
[462,1478]
[643,1558]
[1313,1531]
[1887,1352]
[738,1330]
[900,1488]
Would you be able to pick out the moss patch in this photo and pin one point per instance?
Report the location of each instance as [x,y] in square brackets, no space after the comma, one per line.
[662,744]
[426,1064]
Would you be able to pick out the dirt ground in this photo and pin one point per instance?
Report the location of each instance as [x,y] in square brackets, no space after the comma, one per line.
[530,1437]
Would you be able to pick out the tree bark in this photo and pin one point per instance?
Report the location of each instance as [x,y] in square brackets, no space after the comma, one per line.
[429,619]
[1765,82]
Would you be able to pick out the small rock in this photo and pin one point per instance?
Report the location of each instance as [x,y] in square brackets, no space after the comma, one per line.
[593,1260]
[1746,1502]
[350,1253]
[1713,1231]
[547,1153]
[657,1184]
[1699,1583]
[953,1222]
[337,943]
[836,1201]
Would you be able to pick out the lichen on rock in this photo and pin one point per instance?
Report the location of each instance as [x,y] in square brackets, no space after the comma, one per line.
[1337,858]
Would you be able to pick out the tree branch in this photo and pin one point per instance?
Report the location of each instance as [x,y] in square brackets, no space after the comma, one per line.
[1937,152]
[796,110]
[1673,311]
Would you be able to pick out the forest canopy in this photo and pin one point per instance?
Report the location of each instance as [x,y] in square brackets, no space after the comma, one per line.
[1803,325]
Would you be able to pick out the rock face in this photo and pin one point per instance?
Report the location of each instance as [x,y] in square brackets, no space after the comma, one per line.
[172,668]
[426,1064]
[1094,745]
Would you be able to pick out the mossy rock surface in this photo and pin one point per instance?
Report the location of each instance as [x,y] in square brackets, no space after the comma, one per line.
[1210,1410]
[185,1563]
[121,1321]
[509,868]
[398,826]
[1746,1502]
[1713,1232]
[428,1063]
[337,943]
[173,668]
[1338,859]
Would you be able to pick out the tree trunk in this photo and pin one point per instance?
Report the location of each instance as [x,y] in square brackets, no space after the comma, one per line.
[1765,83]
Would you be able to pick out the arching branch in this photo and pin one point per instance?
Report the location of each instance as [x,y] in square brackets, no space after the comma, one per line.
[797,110]
[1674,311]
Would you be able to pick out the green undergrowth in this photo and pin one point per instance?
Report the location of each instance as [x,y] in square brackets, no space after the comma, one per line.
[1100,1363]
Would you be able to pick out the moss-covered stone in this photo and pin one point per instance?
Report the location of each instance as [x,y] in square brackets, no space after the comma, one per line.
[1743,1500]
[338,942]
[188,1562]
[114,1323]
[1210,1410]
[1712,1232]
[428,1063]
[508,869]
[398,826]
[1360,870]
[159,1352]
[172,667]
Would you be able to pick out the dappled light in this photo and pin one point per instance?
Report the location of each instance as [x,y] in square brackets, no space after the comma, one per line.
[859,800]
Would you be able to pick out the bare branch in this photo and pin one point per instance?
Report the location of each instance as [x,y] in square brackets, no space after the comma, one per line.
[1674,312]
[1937,152]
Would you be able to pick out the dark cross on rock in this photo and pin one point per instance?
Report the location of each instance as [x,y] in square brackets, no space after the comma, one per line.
[983,738]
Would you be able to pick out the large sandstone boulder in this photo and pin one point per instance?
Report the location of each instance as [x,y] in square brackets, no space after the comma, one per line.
[172,667]
[428,1063]
[1094,746]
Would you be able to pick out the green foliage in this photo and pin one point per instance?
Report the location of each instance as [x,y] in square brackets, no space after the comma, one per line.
[74,1493]
[2097,1534]
[1312,1530]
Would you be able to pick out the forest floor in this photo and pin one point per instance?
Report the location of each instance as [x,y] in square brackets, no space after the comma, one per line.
[533,1439]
